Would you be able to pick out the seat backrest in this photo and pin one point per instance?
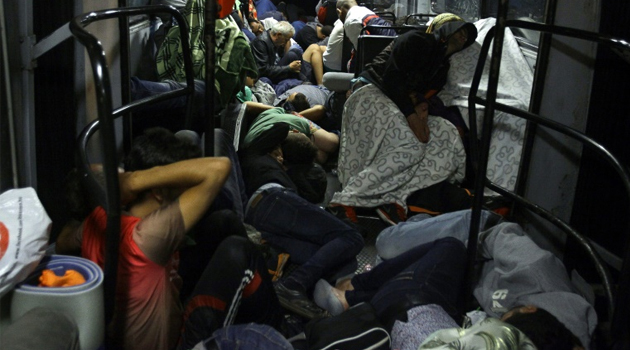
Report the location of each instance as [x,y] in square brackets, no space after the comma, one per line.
[369,47]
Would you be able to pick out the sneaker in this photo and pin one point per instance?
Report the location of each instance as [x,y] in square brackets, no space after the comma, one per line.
[297,302]
[392,214]
[343,212]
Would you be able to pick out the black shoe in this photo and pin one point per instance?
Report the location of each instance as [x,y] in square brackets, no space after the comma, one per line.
[349,216]
[345,213]
[298,302]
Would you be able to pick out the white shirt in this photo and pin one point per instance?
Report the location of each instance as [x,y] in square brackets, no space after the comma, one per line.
[354,23]
[332,56]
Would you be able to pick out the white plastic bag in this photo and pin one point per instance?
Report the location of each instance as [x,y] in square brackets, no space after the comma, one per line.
[24,231]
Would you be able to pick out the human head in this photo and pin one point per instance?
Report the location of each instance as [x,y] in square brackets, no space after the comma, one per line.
[281,33]
[299,101]
[453,30]
[324,32]
[155,147]
[343,6]
[542,328]
[297,149]
[256,27]
[158,146]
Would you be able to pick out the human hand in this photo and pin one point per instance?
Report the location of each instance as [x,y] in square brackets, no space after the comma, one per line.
[295,66]
[418,122]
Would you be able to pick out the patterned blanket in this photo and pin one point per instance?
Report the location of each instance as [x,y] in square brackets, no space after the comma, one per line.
[380,159]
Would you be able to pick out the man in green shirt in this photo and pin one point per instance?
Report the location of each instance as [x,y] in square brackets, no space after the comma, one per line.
[326,142]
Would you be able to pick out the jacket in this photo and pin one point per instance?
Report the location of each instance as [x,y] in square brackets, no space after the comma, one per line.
[415,62]
[520,273]
[266,56]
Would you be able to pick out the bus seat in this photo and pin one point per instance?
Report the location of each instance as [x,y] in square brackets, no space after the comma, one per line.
[369,47]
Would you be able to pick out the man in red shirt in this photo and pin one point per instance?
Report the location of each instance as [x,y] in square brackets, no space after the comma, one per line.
[163,203]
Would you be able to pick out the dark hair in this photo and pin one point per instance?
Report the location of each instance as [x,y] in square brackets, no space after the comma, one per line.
[300,103]
[251,20]
[301,13]
[326,30]
[158,146]
[297,149]
[544,330]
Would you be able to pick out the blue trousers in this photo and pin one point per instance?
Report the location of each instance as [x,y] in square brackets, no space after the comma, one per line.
[248,336]
[311,235]
[423,228]
[431,273]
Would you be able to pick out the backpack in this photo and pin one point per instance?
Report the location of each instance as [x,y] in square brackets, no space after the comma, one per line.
[355,329]
[327,14]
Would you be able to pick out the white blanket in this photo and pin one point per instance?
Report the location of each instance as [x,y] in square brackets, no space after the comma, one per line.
[380,159]
[515,85]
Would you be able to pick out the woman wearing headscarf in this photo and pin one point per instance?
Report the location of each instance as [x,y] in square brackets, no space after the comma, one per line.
[414,67]
[390,147]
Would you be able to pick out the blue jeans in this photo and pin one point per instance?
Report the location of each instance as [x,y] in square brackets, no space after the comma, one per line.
[249,336]
[144,88]
[431,273]
[423,228]
[304,229]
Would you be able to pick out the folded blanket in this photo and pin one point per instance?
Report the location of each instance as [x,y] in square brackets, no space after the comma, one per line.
[233,55]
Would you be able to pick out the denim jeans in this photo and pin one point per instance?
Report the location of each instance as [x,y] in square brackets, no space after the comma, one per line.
[300,228]
[248,336]
[431,273]
[144,88]
[235,288]
[423,228]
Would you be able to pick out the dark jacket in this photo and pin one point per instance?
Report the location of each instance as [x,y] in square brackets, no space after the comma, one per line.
[415,62]
[266,55]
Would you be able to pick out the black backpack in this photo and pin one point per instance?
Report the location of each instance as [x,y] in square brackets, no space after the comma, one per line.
[327,14]
[355,329]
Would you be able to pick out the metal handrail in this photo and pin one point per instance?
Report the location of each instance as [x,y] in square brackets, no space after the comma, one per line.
[481,149]
[110,197]
[419,15]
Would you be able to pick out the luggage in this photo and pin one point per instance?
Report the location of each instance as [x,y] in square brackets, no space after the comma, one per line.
[355,329]
[327,14]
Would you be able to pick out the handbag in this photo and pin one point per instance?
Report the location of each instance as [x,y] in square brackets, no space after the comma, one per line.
[357,328]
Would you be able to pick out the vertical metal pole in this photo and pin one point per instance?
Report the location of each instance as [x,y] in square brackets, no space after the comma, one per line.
[25,127]
[480,181]
[125,89]
[9,97]
[540,74]
[210,41]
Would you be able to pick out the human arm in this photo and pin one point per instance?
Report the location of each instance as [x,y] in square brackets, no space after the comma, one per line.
[69,239]
[352,28]
[314,113]
[333,52]
[201,179]
[265,58]
[255,108]
[326,143]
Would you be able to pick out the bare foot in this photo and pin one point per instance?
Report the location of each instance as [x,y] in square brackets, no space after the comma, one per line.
[341,295]
[345,284]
